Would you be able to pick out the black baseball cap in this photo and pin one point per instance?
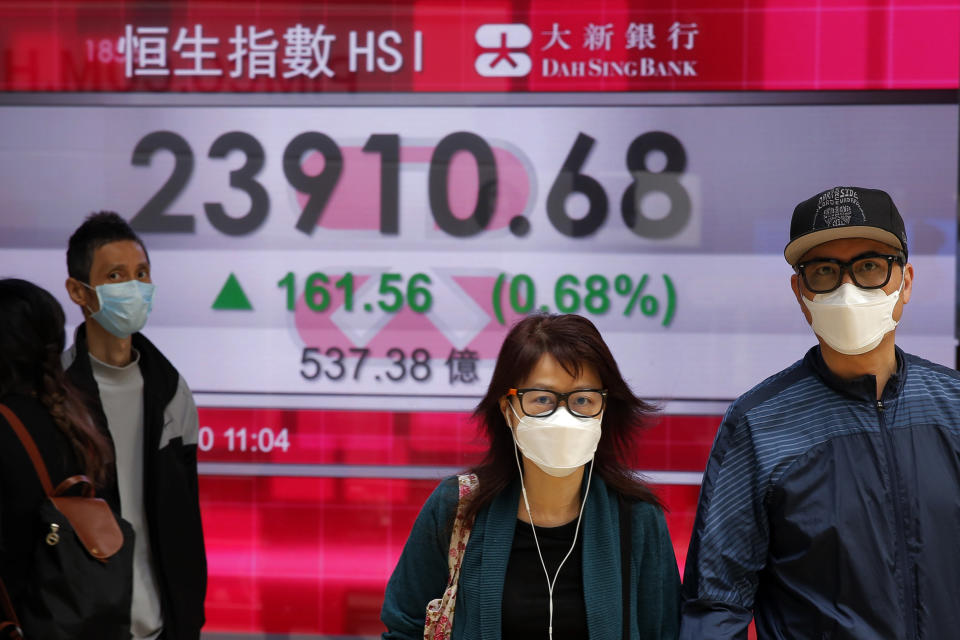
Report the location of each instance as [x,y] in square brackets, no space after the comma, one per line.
[844,212]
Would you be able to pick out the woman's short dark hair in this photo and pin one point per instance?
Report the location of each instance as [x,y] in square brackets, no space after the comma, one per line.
[574,342]
[31,340]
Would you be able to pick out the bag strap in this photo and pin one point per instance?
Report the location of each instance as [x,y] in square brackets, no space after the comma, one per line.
[73,481]
[39,465]
[461,528]
[27,441]
[626,540]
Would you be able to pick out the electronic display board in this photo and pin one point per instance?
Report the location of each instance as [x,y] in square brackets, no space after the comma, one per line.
[347,206]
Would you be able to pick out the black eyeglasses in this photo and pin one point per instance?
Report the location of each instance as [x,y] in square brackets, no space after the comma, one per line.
[540,403]
[868,271]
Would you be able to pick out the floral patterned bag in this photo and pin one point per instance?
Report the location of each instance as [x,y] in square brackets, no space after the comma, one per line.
[439,620]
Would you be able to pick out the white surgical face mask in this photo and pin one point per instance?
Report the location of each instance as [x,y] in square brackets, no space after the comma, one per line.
[853,320]
[124,306]
[560,443]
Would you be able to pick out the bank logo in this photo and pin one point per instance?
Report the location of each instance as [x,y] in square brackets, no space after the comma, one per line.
[505,57]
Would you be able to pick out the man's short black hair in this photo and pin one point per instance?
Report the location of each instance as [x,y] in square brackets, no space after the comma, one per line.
[100,228]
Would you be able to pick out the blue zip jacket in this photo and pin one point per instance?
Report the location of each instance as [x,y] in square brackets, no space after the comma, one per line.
[421,573]
[825,513]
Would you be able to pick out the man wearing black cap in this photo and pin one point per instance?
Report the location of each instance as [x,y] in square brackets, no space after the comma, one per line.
[830,506]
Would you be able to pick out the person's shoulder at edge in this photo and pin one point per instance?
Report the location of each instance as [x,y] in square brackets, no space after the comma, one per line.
[144,345]
[443,499]
[931,367]
[422,567]
[768,388]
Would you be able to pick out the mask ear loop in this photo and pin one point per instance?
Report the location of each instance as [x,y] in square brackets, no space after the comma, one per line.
[99,300]
[536,542]
[903,281]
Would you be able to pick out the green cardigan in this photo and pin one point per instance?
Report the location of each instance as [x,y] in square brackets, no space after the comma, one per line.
[421,573]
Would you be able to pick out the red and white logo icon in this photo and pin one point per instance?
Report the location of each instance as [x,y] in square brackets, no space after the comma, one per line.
[506,58]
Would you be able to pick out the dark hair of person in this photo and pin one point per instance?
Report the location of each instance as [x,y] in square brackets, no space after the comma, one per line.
[574,342]
[31,340]
[97,230]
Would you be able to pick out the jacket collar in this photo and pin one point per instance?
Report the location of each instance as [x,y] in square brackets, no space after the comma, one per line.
[864,387]
[137,340]
[160,381]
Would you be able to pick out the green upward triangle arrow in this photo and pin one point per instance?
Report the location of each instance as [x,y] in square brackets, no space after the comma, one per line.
[232,297]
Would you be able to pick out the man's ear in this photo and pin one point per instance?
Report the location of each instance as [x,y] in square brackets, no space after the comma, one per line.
[907,283]
[77,292]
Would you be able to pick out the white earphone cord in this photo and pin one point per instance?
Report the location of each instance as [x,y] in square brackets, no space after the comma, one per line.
[551,583]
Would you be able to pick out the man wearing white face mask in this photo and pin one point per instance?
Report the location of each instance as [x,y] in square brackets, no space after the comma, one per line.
[830,501]
[146,410]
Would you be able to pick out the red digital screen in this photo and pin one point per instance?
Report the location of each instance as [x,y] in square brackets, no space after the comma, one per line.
[309,553]
[486,46]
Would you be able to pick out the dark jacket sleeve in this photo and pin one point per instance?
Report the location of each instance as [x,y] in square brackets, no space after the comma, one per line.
[2,547]
[182,553]
[730,538]
[657,579]
[421,572]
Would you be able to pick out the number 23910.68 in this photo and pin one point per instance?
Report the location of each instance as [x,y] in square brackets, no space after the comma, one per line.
[155,216]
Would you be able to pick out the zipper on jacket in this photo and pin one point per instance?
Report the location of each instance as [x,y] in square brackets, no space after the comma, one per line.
[903,559]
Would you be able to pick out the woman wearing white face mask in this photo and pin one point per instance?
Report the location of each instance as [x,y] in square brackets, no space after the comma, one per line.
[566,542]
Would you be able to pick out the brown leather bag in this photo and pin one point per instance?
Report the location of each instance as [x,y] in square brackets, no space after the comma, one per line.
[78,610]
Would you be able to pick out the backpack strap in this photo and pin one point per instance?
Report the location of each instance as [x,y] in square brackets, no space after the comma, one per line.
[73,481]
[31,447]
[90,517]
[39,465]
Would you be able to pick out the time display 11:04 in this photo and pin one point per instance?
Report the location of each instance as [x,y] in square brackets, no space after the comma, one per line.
[263,440]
